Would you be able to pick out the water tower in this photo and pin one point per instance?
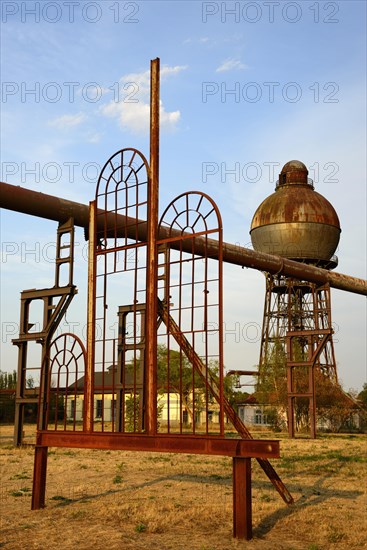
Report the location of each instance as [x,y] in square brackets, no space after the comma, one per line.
[297,223]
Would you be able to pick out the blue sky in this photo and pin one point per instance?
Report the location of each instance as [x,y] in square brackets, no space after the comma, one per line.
[244,92]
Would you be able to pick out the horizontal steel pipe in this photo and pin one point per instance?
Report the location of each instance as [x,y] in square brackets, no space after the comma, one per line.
[49,207]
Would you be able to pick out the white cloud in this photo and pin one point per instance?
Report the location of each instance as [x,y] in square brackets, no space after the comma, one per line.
[230,64]
[201,40]
[67,121]
[132,111]
[94,137]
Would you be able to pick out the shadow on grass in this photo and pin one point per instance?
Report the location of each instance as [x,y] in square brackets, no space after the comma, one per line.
[211,479]
[311,496]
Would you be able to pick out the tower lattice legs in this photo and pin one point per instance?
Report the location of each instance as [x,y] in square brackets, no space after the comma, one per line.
[296,342]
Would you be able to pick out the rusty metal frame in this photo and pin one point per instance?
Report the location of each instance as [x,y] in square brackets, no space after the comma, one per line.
[298,311]
[56,301]
[128,176]
[190,305]
[122,186]
[314,343]
[62,369]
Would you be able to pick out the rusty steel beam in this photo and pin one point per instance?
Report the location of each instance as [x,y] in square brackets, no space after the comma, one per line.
[242,495]
[211,445]
[39,477]
[49,207]
[152,255]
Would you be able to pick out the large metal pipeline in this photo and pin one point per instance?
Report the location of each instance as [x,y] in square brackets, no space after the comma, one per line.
[49,207]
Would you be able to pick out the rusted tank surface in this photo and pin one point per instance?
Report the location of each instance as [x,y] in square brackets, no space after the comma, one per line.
[295,221]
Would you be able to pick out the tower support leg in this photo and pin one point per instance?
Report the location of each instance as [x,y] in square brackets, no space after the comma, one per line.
[242,506]
[39,477]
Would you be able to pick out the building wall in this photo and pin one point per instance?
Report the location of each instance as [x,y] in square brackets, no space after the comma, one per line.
[253,415]
[75,407]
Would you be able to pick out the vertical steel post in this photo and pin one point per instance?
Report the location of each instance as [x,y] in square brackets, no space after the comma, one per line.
[91,321]
[312,389]
[242,506]
[152,255]
[39,477]
[290,386]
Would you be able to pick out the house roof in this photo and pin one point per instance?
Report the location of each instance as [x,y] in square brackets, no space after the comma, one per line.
[108,380]
[250,400]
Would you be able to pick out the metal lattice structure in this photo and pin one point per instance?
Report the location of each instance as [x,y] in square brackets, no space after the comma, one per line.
[119,295]
[62,372]
[154,323]
[190,308]
[189,295]
[55,302]
[154,334]
[297,321]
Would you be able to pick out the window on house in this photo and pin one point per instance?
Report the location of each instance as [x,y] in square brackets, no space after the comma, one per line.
[260,417]
[99,408]
[72,408]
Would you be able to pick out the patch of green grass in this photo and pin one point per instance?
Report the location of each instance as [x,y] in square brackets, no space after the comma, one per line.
[288,463]
[117,479]
[22,475]
[158,458]
[61,499]
[78,514]
[334,535]
[69,453]
[23,491]
[318,461]
[140,528]
[266,498]
[220,477]
[345,458]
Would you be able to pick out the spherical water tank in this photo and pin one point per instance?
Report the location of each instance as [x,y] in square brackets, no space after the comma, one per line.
[295,221]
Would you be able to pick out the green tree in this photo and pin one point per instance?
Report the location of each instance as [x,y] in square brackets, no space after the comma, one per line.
[175,373]
[8,380]
[362,396]
[332,404]
[271,388]
[132,413]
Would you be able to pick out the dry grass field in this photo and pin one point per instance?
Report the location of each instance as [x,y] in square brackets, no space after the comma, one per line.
[128,500]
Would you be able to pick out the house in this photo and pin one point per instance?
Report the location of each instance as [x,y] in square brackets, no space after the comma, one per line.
[253,414]
[108,395]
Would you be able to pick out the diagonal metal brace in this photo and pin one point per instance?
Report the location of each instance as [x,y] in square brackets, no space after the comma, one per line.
[200,368]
